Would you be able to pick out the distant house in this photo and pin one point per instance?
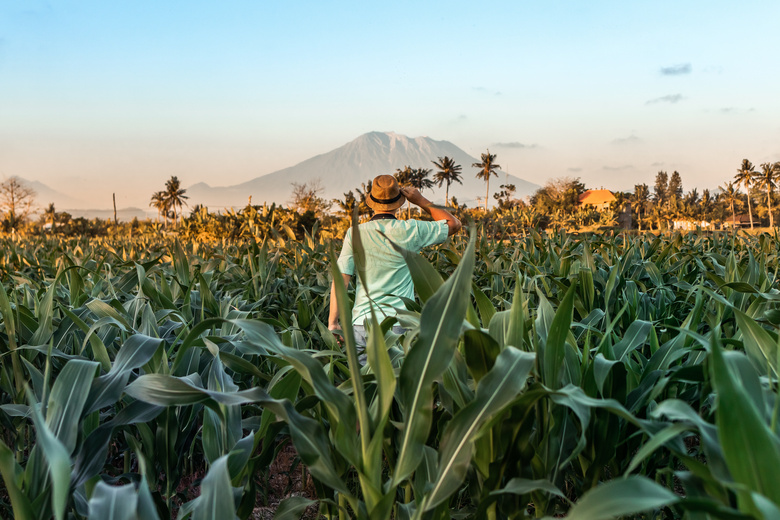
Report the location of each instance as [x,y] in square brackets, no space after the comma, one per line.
[739,222]
[691,225]
[599,199]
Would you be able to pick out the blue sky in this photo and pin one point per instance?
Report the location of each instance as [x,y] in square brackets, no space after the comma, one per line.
[117,96]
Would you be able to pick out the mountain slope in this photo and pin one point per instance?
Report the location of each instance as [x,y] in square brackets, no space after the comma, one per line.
[348,167]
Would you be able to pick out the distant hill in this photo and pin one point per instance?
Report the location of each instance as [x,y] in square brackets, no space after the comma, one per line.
[348,167]
[45,195]
[122,215]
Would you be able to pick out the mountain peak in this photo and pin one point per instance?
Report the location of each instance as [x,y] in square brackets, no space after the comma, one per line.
[355,163]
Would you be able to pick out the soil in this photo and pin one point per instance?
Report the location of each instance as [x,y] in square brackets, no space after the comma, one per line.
[287,477]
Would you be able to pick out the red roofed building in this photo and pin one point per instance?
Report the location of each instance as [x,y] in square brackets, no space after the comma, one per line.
[599,199]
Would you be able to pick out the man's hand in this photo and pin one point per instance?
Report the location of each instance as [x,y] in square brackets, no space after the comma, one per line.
[337,333]
[414,196]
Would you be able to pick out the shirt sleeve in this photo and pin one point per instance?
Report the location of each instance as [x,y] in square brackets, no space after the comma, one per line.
[430,233]
[346,261]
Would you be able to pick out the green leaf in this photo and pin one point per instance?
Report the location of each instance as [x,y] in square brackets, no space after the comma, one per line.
[621,497]
[480,351]
[496,390]
[522,486]
[484,305]
[113,502]
[67,399]
[292,508]
[635,335]
[58,459]
[440,325]
[12,473]
[134,353]
[216,494]
[554,347]
[310,440]
[749,446]
[759,344]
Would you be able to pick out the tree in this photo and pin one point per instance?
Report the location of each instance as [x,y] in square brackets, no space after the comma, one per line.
[347,205]
[306,197]
[640,199]
[661,188]
[505,197]
[730,195]
[404,177]
[559,194]
[675,188]
[364,192]
[175,195]
[420,179]
[16,201]
[706,204]
[487,168]
[745,174]
[766,179]
[50,215]
[160,203]
[448,172]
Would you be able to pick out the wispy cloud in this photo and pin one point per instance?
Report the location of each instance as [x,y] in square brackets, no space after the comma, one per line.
[671,98]
[735,110]
[631,139]
[656,165]
[618,168]
[514,144]
[484,90]
[574,170]
[677,70]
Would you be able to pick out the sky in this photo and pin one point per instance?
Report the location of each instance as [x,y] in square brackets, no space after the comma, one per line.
[104,97]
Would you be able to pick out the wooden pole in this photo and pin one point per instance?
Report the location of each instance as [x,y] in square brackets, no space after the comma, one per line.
[115,221]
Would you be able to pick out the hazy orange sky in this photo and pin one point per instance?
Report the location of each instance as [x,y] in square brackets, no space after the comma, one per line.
[101,97]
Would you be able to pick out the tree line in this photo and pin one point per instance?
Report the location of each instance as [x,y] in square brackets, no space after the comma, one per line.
[554,205]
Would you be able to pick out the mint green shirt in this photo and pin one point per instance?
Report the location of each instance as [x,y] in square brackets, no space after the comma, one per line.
[387,275]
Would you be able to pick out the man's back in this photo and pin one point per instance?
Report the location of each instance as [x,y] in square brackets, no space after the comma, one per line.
[387,275]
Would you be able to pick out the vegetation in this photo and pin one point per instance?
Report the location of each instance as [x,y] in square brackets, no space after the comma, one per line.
[487,167]
[447,172]
[168,200]
[16,202]
[590,376]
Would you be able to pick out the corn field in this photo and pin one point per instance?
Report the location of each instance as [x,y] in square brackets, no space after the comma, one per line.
[585,377]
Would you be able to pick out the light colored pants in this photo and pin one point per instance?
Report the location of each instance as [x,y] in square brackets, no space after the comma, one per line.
[361,340]
[361,337]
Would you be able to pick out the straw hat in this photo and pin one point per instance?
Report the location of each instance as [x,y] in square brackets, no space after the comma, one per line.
[385,194]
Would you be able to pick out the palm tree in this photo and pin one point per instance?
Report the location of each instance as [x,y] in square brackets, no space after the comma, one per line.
[175,195]
[730,195]
[487,168]
[50,215]
[640,199]
[766,179]
[160,203]
[346,206]
[420,179]
[448,172]
[745,175]
[706,204]
[363,193]
[404,177]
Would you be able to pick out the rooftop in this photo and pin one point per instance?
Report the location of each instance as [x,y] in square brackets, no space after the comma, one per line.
[596,197]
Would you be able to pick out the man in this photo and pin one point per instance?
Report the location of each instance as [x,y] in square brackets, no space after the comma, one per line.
[387,275]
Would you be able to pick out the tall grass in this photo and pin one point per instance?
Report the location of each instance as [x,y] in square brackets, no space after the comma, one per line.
[586,376]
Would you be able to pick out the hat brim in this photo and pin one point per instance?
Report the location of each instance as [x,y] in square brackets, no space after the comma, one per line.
[377,206]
